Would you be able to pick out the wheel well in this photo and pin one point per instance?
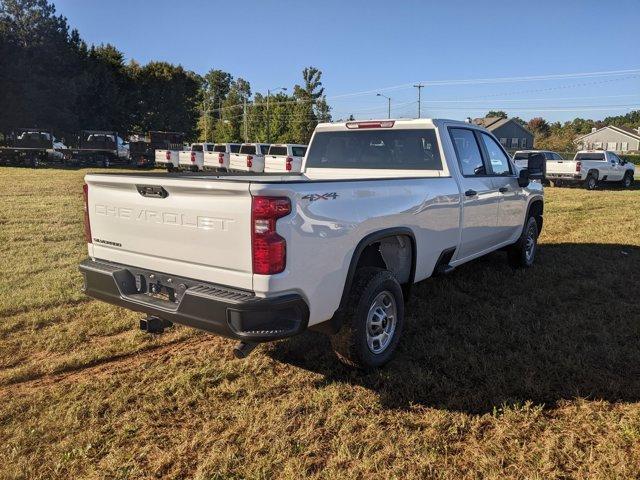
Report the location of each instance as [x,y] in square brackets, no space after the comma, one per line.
[394,253]
[536,209]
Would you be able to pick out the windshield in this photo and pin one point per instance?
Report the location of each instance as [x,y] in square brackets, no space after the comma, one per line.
[250,149]
[410,149]
[590,156]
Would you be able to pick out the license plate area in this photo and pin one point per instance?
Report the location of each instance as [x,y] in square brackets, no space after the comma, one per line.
[160,287]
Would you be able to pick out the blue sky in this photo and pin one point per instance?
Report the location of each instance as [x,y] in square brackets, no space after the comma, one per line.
[364,47]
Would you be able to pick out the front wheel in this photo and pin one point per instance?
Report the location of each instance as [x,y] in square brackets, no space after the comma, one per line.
[374,320]
[627,180]
[522,254]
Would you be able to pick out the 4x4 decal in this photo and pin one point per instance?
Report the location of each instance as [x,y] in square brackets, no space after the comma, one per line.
[312,197]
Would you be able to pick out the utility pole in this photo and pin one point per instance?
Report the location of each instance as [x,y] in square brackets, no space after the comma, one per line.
[388,103]
[244,119]
[419,87]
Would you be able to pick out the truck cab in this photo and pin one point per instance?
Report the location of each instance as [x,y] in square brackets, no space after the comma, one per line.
[250,158]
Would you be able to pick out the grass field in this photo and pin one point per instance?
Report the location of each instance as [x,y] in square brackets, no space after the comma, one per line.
[500,374]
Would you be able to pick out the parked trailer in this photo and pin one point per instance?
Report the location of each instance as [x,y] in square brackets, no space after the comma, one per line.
[30,147]
[143,152]
[98,147]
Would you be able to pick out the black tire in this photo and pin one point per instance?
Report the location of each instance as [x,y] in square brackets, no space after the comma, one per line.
[170,168]
[522,254]
[194,168]
[627,180]
[351,343]
[591,182]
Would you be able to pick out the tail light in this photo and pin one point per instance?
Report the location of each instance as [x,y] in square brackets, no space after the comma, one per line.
[168,155]
[289,166]
[193,157]
[268,249]
[356,125]
[87,225]
[578,166]
[249,161]
[221,158]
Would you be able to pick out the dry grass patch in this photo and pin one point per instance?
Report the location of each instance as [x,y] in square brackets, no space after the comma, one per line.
[500,374]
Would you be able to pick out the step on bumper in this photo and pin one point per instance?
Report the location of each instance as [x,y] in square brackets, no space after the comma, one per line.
[221,310]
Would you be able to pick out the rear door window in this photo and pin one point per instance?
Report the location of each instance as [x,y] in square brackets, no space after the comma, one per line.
[235,148]
[468,152]
[220,148]
[248,149]
[278,150]
[196,148]
[409,149]
[298,151]
[264,149]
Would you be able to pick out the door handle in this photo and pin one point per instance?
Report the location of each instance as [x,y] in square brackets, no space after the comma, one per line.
[503,189]
[470,193]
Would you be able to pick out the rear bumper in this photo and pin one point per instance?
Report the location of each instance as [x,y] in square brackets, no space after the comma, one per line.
[227,312]
[564,176]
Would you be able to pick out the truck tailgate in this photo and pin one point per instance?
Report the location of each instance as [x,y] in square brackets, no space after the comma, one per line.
[561,166]
[194,228]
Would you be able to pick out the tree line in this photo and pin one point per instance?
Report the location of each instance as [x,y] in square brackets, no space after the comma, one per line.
[559,136]
[50,78]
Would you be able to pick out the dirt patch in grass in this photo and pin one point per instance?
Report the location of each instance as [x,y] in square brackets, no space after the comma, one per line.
[500,374]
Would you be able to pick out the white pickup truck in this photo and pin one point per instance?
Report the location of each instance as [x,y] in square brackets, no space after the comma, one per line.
[193,158]
[284,158]
[589,167]
[250,158]
[380,205]
[218,158]
[167,159]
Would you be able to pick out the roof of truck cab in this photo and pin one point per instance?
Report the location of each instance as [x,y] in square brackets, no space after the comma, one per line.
[397,124]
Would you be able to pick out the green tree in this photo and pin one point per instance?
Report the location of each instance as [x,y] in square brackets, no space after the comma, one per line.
[496,113]
[214,90]
[304,115]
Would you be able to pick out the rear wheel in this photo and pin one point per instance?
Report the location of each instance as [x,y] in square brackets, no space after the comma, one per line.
[374,320]
[591,182]
[627,180]
[522,254]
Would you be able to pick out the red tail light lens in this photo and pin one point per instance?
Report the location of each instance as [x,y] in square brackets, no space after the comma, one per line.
[289,166]
[168,155]
[382,124]
[221,158]
[578,166]
[193,157]
[87,225]
[269,250]
[249,161]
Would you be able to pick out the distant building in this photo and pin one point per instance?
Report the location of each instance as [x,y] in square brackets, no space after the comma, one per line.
[616,139]
[511,134]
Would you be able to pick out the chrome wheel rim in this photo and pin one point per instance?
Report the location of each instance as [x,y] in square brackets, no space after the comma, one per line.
[530,245]
[381,322]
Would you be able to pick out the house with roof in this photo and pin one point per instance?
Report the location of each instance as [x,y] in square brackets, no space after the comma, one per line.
[508,131]
[616,139]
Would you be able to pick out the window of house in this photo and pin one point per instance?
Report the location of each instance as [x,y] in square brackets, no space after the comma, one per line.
[612,146]
[514,142]
[503,142]
[523,142]
[625,146]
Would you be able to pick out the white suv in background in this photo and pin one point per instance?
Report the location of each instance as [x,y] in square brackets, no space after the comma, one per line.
[284,158]
[250,158]
[218,158]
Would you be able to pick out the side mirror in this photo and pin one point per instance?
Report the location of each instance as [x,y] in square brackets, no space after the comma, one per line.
[523,178]
[536,166]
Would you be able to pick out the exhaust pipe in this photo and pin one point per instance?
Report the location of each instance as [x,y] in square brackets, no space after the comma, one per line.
[154,324]
[243,349]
